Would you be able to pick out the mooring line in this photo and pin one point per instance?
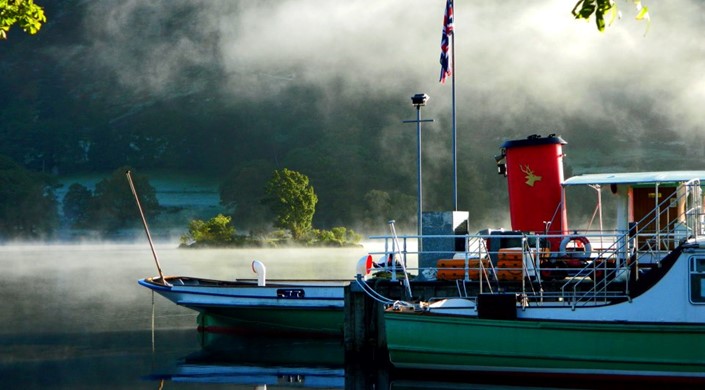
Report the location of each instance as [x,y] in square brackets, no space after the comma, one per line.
[153,349]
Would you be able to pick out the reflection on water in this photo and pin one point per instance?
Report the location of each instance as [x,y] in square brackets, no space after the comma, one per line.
[260,376]
[253,361]
[74,317]
[88,360]
[263,360]
[271,349]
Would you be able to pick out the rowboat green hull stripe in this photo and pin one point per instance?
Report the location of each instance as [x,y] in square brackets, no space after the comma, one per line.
[450,342]
[295,320]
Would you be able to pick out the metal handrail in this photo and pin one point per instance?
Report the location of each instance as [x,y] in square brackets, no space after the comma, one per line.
[693,207]
[619,252]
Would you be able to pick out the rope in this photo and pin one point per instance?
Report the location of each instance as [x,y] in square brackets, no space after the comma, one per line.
[372,293]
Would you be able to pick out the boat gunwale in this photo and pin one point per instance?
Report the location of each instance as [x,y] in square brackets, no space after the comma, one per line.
[430,316]
[215,283]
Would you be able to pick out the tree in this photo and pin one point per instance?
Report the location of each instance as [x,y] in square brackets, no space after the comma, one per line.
[111,206]
[28,208]
[113,195]
[28,15]
[292,200]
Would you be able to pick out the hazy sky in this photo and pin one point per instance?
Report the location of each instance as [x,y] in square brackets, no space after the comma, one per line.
[520,63]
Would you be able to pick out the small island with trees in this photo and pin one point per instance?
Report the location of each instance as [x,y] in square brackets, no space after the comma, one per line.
[293,202]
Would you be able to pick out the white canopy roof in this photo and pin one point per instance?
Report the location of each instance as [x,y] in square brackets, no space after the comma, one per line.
[635,178]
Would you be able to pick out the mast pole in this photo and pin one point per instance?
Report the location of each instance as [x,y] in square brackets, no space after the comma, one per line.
[146,228]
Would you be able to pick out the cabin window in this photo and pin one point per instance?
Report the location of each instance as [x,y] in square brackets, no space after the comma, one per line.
[697,280]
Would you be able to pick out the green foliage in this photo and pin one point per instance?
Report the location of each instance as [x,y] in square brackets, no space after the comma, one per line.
[292,200]
[111,206]
[585,9]
[116,203]
[337,236]
[28,15]
[597,7]
[114,200]
[217,231]
[28,208]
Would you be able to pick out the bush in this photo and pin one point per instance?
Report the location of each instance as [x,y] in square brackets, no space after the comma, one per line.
[218,231]
[337,236]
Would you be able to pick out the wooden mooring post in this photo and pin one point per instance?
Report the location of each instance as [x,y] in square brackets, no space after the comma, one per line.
[364,326]
[364,333]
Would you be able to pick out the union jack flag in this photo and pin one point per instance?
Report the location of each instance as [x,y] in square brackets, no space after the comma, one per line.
[447,32]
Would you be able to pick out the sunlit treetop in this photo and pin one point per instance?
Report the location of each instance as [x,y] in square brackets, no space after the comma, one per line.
[25,13]
[607,9]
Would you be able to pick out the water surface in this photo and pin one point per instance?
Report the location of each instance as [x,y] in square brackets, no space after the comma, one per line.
[75,317]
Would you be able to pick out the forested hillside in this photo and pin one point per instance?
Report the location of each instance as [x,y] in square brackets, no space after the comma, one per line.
[186,87]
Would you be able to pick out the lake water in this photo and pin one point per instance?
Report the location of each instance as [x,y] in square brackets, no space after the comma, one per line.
[73,316]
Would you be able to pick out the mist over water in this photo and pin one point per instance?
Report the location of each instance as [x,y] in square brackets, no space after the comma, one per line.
[93,287]
[73,315]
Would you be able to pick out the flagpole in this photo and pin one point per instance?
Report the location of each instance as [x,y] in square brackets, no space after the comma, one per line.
[449,69]
[455,161]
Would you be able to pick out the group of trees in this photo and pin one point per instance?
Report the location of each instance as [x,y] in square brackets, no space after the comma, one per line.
[29,209]
[111,205]
[27,202]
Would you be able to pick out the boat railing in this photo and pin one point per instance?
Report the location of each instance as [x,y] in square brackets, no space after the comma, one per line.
[529,264]
[539,275]
[529,261]
[588,267]
[647,242]
[601,278]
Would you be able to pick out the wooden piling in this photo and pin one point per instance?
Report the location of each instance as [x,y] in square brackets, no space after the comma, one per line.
[363,329]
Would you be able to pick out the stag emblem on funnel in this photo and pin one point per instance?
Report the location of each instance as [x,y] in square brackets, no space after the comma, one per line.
[531,178]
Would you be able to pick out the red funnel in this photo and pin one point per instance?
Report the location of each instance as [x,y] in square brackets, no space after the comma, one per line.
[534,170]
